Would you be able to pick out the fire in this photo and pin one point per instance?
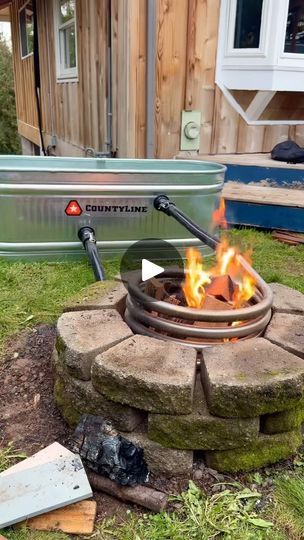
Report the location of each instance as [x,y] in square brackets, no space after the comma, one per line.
[196,279]
[219,215]
[227,264]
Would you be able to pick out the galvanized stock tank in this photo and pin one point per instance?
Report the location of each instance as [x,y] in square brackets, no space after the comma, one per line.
[44,201]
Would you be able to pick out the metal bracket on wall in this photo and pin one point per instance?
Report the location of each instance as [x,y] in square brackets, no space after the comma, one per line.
[190,130]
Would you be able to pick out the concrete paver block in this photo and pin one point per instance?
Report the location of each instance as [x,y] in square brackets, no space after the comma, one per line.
[200,430]
[250,378]
[287,300]
[287,331]
[100,295]
[148,374]
[81,335]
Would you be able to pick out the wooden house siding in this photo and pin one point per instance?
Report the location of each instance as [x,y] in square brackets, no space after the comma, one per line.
[186,40]
[24,82]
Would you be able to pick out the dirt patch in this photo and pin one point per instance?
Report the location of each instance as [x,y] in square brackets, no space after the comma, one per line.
[28,414]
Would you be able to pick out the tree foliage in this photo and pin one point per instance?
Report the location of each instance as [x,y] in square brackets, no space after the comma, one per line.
[9,139]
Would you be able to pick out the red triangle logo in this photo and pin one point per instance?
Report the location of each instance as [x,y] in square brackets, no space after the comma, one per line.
[73,209]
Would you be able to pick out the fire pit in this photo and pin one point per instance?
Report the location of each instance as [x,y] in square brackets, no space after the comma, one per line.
[199,307]
[239,403]
[194,361]
[196,328]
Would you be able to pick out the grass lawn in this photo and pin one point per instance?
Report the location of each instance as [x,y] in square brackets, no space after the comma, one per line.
[35,293]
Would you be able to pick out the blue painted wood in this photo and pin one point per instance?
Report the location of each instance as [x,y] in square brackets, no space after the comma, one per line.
[265,216]
[275,176]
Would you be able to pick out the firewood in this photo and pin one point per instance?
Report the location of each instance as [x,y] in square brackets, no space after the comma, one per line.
[288,237]
[77,518]
[141,495]
[108,453]
[172,300]
[155,288]
[222,288]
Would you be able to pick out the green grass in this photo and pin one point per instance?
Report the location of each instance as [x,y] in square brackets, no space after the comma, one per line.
[9,456]
[25,534]
[289,511]
[32,293]
[228,515]
[274,260]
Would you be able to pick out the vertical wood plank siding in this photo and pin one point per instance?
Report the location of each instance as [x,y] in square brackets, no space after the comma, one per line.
[74,111]
[222,129]
[186,45]
[24,74]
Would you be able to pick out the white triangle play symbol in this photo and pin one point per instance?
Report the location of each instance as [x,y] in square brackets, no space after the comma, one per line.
[150,270]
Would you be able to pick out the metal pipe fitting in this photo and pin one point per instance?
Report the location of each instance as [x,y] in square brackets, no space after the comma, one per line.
[87,236]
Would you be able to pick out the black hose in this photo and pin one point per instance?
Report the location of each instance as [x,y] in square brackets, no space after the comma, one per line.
[87,236]
[163,204]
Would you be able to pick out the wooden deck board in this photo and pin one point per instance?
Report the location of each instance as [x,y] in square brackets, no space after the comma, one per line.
[258,160]
[234,191]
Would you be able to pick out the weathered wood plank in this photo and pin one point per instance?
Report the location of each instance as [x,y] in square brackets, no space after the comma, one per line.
[234,191]
[78,518]
[250,138]
[201,59]
[225,127]
[172,23]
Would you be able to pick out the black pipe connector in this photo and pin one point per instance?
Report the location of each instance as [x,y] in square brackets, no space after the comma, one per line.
[163,204]
[87,236]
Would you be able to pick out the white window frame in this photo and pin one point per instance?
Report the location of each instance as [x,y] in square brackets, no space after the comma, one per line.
[64,74]
[266,70]
[231,23]
[285,56]
[23,57]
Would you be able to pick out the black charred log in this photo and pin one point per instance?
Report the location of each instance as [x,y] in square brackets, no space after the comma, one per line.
[109,454]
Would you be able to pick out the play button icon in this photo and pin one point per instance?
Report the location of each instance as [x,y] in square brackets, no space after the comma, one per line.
[150,269]
[147,259]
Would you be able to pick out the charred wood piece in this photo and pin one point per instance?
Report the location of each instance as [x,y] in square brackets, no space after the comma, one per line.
[107,453]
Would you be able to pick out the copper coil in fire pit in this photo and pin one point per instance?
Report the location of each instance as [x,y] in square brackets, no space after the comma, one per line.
[146,315]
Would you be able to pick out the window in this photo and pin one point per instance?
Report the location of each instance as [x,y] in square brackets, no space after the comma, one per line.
[26,21]
[294,38]
[248,24]
[261,47]
[65,14]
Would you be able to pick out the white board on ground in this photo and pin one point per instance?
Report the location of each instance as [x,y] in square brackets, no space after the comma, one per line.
[28,492]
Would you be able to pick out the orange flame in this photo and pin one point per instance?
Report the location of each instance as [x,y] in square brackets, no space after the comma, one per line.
[219,215]
[195,280]
[227,263]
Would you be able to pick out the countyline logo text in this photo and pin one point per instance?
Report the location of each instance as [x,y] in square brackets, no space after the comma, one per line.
[116,208]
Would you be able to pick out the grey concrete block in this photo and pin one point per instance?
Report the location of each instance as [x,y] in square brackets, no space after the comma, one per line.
[81,335]
[147,374]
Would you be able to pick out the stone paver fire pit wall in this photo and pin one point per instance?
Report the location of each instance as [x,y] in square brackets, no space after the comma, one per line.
[242,405]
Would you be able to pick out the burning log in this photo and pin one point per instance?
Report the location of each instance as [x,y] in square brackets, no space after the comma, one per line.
[109,454]
[213,304]
[222,288]
[141,495]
